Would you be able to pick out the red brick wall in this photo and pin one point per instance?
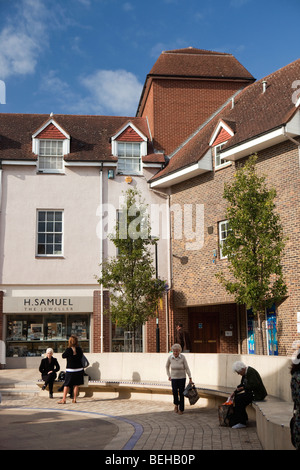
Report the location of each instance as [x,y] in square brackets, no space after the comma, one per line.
[97,322]
[180,106]
[149,110]
[195,283]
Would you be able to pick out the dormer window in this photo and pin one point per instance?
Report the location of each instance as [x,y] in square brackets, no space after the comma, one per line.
[50,143]
[129,144]
[129,157]
[51,155]
[222,133]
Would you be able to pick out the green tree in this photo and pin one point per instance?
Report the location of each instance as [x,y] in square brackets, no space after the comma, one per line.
[131,277]
[254,244]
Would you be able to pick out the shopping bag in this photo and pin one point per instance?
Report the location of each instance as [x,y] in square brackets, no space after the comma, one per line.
[225,411]
[191,393]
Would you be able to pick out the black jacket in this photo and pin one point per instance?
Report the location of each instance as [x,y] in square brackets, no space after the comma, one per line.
[47,366]
[73,360]
[252,382]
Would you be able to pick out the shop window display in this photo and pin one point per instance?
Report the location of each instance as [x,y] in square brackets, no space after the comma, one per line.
[32,335]
[122,340]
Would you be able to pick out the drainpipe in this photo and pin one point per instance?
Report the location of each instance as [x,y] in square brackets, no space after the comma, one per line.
[101,252]
[292,140]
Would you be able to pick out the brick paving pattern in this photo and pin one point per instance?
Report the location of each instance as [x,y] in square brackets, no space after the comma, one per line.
[116,424]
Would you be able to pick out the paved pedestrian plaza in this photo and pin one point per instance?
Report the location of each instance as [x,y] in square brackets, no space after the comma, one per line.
[115,424]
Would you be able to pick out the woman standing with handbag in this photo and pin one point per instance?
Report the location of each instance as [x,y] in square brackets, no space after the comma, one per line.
[74,369]
[178,365]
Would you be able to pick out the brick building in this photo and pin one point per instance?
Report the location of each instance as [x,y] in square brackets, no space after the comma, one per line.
[200,114]
[264,118]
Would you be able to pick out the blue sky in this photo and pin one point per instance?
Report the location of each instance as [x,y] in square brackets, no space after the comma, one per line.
[92,56]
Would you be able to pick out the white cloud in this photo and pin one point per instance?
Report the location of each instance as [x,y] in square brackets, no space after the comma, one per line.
[109,92]
[52,84]
[26,36]
[22,39]
[113,91]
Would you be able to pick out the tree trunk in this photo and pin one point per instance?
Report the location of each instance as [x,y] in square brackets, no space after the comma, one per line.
[133,340]
[260,337]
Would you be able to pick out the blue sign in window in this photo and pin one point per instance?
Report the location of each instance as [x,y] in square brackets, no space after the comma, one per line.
[271,331]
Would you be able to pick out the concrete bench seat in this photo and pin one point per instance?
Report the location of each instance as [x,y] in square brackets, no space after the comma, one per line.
[163,388]
[273,423]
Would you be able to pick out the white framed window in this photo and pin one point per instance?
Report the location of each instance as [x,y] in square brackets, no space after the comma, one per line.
[218,160]
[49,233]
[223,232]
[51,155]
[129,157]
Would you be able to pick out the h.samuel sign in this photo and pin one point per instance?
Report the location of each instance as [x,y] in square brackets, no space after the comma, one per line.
[47,304]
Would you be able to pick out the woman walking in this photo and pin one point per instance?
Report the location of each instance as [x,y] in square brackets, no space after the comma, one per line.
[74,370]
[177,368]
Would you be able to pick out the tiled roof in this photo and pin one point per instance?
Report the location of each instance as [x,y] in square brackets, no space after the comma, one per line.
[199,63]
[254,113]
[154,158]
[90,135]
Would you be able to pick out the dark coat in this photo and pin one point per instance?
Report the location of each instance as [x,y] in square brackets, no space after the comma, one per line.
[252,382]
[73,360]
[47,366]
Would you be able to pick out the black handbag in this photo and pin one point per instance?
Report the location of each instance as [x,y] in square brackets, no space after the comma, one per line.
[85,363]
[191,393]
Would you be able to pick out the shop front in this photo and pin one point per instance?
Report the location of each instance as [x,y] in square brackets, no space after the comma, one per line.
[33,324]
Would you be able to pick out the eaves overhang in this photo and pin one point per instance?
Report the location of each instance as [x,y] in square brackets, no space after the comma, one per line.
[261,142]
[202,166]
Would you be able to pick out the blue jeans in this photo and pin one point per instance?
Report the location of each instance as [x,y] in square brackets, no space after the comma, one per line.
[178,386]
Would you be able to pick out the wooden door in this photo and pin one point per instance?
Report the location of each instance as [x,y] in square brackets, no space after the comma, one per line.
[204,329]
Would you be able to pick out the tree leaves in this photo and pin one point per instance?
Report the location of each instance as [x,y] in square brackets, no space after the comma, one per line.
[130,276]
[255,241]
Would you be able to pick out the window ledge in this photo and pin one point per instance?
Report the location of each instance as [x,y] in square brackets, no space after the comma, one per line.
[51,172]
[49,257]
[224,165]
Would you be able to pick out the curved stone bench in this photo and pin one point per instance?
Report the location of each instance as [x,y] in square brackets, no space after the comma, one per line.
[272,415]
[273,423]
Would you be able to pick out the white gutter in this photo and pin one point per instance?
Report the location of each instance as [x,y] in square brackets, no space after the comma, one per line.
[19,162]
[202,166]
[254,145]
[275,136]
